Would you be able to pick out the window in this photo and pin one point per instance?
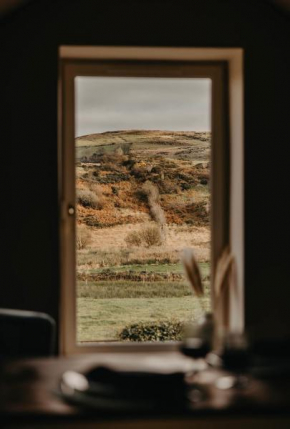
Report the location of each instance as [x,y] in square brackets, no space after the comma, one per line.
[217,69]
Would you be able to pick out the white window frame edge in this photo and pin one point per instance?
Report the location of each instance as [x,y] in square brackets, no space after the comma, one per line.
[234,59]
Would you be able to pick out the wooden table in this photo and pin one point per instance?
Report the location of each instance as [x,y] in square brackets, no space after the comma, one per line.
[27,397]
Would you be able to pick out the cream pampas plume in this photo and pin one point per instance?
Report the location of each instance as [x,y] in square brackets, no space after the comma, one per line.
[192,271]
[224,281]
[223,268]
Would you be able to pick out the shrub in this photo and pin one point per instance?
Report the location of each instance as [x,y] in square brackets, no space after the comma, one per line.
[139,173]
[168,187]
[159,331]
[140,195]
[129,163]
[134,238]
[88,198]
[151,236]
[83,238]
[115,190]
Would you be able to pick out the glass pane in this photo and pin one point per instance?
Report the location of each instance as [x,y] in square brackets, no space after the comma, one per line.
[142,185]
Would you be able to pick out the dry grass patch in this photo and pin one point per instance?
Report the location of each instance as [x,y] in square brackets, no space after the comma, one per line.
[89,198]
[83,238]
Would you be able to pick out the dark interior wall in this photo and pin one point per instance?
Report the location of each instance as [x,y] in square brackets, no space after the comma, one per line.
[29,40]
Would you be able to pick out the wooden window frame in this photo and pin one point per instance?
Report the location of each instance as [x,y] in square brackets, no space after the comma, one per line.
[224,66]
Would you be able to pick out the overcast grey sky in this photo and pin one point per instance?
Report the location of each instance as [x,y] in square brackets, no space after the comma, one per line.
[114,103]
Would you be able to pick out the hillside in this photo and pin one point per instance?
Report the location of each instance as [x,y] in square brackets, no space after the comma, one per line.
[142,196]
[177,163]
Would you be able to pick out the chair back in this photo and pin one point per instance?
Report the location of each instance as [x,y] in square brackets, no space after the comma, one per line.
[26,334]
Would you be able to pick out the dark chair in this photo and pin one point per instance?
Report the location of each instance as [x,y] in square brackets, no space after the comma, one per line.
[26,334]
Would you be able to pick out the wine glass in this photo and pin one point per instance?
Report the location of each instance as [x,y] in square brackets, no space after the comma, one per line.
[235,358]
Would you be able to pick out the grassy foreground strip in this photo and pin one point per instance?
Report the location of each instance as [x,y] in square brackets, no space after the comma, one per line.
[124,289]
[103,319]
[155,268]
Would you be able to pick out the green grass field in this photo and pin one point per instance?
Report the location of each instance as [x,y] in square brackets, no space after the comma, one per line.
[105,307]
[103,319]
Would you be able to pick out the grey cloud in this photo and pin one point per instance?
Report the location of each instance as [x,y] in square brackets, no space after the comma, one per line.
[109,104]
